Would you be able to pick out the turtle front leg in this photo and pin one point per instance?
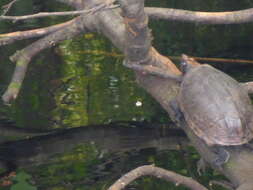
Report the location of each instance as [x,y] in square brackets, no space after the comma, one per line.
[222,156]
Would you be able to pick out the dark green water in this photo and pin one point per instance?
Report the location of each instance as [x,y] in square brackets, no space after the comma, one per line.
[82,82]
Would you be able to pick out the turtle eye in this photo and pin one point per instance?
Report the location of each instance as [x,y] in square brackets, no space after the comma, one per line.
[183,66]
[183,63]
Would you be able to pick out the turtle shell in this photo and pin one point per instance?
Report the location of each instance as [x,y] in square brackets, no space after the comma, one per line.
[216,107]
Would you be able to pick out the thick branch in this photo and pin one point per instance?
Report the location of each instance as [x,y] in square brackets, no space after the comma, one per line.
[138,49]
[24,56]
[116,32]
[159,173]
[233,17]
[21,35]
[137,35]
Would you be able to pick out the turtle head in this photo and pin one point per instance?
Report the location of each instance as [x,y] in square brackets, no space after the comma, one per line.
[184,67]
[187,63]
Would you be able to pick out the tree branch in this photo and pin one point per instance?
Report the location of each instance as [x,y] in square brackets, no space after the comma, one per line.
[22,35]
[233,17]
[24,56]
[137,36]
[8,6]
[151,170]
[47,14]
[138,48]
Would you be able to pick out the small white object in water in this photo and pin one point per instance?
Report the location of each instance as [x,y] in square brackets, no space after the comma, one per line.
[138,103]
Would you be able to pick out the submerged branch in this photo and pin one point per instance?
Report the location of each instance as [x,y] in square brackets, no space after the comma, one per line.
[160,173]
[232,17]
[125,139]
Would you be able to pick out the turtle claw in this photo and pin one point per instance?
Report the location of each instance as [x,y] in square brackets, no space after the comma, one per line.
[201,166]
[222,183]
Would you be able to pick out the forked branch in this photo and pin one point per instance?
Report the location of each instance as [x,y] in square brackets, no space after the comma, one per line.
[150,170]
[23,57]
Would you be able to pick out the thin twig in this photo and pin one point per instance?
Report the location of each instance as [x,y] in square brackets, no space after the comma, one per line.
[206,59]
[8,6]
[47,14]
[215,59]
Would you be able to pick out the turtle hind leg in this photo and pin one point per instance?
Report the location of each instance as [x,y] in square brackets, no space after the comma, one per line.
[222,156]
[249,146]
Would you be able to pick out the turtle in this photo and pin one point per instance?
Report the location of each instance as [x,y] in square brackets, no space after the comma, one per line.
[215,106]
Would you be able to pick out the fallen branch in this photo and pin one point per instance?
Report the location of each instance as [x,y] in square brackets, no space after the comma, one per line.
[232,17]
[151,170]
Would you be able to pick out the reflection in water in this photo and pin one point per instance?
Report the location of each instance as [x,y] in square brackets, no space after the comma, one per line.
[113,87]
